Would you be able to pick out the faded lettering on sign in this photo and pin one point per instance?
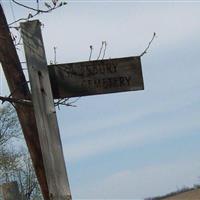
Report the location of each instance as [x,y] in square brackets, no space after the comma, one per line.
[96,77]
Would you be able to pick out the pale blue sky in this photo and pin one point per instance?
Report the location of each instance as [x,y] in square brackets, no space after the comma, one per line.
[136,144]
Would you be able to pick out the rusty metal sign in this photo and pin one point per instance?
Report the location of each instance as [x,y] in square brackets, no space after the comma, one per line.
[96,77]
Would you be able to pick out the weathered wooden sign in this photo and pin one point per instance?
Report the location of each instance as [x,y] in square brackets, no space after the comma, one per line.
[96,77]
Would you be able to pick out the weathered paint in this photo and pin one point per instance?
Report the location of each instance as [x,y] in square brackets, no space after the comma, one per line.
[96,77]
[45,113]
[19,88]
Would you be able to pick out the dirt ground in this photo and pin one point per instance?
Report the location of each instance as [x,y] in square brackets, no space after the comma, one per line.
[190,195]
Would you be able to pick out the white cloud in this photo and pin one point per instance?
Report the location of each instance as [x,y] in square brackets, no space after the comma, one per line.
[147,181]
[165,102]
[126,27]
[137,135]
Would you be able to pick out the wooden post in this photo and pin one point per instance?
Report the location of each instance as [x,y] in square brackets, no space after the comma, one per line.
[10,191]
[19,89]
[45,112]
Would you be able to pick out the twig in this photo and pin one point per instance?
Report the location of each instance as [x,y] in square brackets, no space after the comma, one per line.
[55,55]
[91,49]
[100,50]
[38,5]
[37,10]
[14,100]
[75,100]
[63,102]
[22,19]
[145,51]
[30,8]
[104,52]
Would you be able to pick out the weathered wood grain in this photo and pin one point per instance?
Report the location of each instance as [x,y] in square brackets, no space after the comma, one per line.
[19,88]
[96,77]
[45,113]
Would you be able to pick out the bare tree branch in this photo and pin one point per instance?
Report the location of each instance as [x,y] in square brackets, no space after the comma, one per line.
[14,100]
[102,44]
[105,48]
[55,54]
[9,125]
[145,51]
[91,50]
[63,102]
[37,10]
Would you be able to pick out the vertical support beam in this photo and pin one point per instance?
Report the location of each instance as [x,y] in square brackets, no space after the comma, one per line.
[45,113]
[19,88]
[10,191]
